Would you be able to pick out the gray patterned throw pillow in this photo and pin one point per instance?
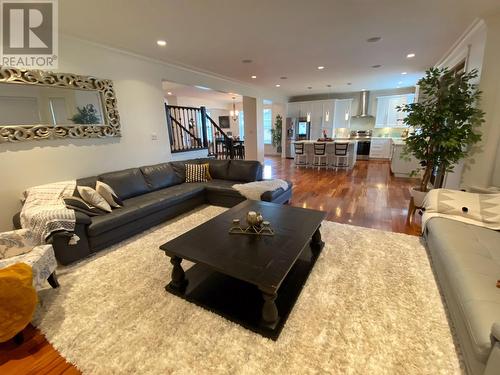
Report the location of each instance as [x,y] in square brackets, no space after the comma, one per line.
[15,243]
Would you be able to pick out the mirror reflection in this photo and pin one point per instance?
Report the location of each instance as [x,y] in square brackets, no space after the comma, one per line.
[34,104]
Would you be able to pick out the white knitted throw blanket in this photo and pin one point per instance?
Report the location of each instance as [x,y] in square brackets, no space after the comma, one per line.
[44,211]
[477,209]
[254,190]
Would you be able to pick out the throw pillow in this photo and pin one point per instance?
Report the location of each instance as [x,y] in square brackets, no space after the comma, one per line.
[107,192]
[15,243]
[197,173]
[93,198]
[78,204]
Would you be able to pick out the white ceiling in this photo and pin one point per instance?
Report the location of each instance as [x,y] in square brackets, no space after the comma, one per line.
[283,37]
[181,90]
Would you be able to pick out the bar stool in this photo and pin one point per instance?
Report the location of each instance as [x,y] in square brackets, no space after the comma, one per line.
[300,155]
[340,152]
[320,158]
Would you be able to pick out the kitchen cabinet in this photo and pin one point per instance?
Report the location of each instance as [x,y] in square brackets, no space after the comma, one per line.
[401,167]
[387,116]
[316,119]
[293,109]
[342,113]
[380,148]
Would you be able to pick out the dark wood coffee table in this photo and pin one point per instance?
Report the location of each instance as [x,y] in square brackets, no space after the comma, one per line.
[249,279]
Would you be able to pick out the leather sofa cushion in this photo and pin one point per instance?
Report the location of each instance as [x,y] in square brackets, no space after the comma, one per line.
[218,168]
[244,170]
[470,256]
[140,206]
[222,187]
[127,183]
[87,181]
[160,176]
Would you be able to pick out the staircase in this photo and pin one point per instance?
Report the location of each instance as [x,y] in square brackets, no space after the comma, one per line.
[191,129]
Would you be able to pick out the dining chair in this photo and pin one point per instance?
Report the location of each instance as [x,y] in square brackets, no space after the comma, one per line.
[320,159]
[300,155]
[341,155]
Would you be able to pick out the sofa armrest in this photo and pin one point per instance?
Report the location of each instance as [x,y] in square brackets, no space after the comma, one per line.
[495,332]
[271,195]
[82,218]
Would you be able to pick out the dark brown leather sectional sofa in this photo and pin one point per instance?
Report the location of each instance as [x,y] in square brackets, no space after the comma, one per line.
[153,194]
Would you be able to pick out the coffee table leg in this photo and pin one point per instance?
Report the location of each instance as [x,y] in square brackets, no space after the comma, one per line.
[269,310]
[179,281]
[316,243]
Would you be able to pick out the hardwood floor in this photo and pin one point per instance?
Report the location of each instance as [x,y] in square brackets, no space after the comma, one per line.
[366,196]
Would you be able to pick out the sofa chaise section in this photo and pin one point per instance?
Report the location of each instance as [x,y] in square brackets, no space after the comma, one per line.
[466,260]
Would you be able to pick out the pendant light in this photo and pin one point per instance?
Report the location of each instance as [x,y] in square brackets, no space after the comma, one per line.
[234,113]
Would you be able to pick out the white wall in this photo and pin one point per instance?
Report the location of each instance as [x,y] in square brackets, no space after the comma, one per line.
[137,82]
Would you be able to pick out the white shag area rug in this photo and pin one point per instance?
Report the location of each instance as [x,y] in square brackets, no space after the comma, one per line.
[370,306]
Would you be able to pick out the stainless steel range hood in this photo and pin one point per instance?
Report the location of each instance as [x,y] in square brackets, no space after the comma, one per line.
[364,100]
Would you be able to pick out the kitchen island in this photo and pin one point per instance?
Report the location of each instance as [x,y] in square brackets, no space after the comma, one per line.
[351,149]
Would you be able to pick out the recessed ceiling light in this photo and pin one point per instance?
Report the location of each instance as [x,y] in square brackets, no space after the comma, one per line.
[374,39]
[404,73]
[161,43]
[328,85]
[321,67]
[169,93]
[410,56]
[376,66]
[283,77]
[363,89]
[278,85]
[246,61]
[309,87]
[349,83]
[254,77]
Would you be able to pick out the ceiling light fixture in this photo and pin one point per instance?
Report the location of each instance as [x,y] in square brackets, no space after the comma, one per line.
[234,113]
[278,85]
[376,66]
[349,83]
[404,73]
[246,61]
[283,77]
[321,67]
[309,87]
[169,93]
[410,56]
[203,87]
[374,39]
[254,77]
[161,43]
[308,117]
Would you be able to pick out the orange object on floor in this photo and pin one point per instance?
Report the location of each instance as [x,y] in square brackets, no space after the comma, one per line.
[18,299]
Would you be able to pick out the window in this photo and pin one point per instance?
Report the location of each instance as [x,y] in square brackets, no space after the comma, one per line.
[268,125]
[241,125]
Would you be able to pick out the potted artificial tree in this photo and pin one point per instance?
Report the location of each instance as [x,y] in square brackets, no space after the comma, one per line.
[276,133]
[443,124]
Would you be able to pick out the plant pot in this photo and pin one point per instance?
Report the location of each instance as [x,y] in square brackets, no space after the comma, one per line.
[418,196]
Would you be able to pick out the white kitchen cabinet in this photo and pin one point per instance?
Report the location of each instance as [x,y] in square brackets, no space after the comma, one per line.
[387,116]
[342,113]
[316,119]
[402,167]
[293,109]
[380,148]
